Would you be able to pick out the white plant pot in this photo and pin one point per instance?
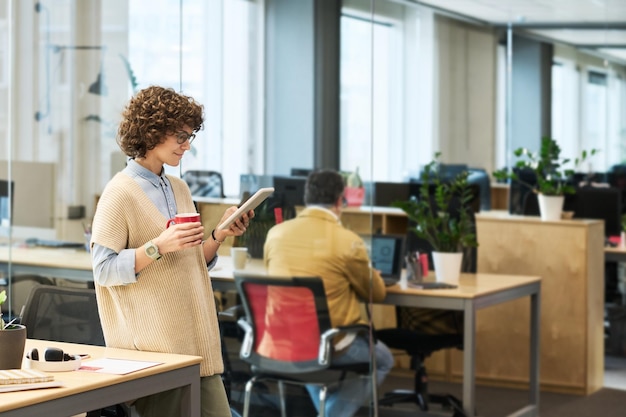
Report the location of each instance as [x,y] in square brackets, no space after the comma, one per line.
[550,207]
[448,266]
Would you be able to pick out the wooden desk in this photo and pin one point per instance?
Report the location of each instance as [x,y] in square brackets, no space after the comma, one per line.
[85,391]
[617,254]
[72,264]
[475,292]
[569,256]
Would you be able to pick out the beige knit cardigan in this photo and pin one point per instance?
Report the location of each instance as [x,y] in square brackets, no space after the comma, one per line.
[171,307]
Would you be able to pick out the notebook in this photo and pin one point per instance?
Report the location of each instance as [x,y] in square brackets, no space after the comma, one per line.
[386,255]
[23,376]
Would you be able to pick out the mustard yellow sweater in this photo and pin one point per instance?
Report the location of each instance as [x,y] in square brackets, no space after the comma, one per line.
[171,307]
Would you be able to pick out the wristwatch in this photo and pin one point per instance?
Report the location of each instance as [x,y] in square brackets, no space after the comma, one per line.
[152,251]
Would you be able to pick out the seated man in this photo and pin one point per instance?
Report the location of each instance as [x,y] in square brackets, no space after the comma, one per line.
[316,244]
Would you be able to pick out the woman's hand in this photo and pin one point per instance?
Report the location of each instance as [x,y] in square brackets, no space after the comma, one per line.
[180,236]
[238,227]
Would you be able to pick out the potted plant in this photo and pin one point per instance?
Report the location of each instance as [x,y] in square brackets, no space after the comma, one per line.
[442,215]
[12,341]
[354,190]
[552,173]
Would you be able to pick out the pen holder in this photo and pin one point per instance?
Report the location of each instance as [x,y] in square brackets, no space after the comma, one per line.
[413,269]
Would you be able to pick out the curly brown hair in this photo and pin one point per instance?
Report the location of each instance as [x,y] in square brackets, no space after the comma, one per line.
[153,113]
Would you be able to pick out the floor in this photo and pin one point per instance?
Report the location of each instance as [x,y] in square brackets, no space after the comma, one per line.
[615,372]
[614,377]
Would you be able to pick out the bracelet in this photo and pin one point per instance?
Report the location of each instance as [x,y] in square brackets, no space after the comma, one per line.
[219,242]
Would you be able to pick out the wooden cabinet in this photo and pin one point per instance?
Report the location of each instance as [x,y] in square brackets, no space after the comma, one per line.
[569,257]
[369,220]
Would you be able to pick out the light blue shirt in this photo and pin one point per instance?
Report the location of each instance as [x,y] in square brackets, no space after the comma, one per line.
[111,268]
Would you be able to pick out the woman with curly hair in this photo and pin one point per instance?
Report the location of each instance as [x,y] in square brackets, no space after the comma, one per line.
[152,282]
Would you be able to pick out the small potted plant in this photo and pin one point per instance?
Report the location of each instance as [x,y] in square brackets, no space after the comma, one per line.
[442,215]
[354,190]
[552,172]
[12,341]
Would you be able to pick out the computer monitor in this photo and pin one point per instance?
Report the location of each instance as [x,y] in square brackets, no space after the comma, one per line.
[6,202]
[603,203]
[289,192]
[386,254]
[301,172]
[385,193]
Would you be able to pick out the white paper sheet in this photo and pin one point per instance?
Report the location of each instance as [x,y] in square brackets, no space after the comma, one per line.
[115,366]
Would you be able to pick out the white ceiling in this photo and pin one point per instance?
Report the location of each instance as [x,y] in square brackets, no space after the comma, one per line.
[594,24]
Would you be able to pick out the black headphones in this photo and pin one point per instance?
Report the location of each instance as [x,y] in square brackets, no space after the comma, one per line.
[50,354]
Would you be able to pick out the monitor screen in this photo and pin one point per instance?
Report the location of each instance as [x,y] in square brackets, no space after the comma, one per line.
[288,193]
[386,254]
[385,193]
[600,203]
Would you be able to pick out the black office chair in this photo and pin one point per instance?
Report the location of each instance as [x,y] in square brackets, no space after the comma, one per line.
[289,338]
[67,314]
[418,334]
[205,183]
[20,288]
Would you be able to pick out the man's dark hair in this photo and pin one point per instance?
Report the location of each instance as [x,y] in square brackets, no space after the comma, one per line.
[323,187]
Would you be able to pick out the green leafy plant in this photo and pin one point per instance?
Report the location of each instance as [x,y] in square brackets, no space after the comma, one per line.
[552,172]
[442,212]
[623,222]
[254,237]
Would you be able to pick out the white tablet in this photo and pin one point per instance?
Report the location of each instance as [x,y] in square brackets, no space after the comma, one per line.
[250,204]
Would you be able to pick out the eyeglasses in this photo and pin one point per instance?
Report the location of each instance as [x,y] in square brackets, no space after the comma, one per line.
[182,137]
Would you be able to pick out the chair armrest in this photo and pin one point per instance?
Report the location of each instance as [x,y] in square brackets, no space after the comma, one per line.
[326,347]
[246,344]
[233,313]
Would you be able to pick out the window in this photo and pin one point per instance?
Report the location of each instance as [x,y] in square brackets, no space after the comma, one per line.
[386,92]
[215,59]
[565,106]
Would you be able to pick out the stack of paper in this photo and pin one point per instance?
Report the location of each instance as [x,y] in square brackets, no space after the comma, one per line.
[25,379]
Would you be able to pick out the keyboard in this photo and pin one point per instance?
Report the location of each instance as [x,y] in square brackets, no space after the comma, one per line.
[390,281]
[431,285]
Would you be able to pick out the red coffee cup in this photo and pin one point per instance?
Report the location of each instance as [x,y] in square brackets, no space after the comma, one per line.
[184,218]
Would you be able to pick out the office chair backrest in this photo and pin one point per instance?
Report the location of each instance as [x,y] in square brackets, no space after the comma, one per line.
[63,314]
[205,183]
[19,290]
[287,317]
[480,177]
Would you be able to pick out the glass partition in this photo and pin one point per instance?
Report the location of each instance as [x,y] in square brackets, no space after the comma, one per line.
[68,68]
